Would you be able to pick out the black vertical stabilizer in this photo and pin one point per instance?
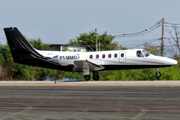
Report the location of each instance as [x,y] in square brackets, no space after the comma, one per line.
[21,49]
[24,53]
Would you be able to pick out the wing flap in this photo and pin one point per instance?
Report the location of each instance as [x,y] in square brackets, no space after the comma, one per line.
[82,65]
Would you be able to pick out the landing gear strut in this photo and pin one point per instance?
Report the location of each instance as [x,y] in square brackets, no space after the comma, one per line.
[95,76]
[158,74]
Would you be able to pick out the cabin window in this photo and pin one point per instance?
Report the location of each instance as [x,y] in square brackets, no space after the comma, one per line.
[115,55]
[103,56]
[140,54]
[122,54]
[109,55]
[91,56]
[97,56]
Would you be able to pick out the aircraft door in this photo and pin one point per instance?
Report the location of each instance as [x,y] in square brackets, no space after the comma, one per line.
[122,56]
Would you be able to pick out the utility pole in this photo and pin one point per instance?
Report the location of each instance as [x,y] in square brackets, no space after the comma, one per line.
[96,39]
[99,46]
[162,42]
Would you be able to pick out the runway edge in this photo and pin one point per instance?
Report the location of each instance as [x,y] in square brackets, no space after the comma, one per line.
[90,83]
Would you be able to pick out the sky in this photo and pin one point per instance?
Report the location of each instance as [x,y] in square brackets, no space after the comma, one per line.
[58,21]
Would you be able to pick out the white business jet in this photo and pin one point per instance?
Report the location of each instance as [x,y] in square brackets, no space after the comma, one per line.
[24,53]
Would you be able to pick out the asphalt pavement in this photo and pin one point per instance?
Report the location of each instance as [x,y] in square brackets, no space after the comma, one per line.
[89,103]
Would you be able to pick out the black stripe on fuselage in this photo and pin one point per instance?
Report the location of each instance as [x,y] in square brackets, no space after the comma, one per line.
[125,67]
[45,64]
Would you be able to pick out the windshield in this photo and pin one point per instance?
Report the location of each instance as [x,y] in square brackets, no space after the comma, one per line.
[146,53]
[143,53]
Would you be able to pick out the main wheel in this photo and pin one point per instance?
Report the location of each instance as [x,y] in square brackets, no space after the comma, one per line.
[158,74]
[95,76]
[87,77]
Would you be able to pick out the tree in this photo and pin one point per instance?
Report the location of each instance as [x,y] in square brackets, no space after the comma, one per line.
[38,44]
[154,49]
[121,47]
[175,41]
[6,63]
[106,41]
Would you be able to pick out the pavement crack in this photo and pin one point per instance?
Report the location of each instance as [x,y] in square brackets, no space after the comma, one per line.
[143,112]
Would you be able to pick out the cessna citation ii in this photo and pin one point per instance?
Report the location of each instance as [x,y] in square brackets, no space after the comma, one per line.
[24,53]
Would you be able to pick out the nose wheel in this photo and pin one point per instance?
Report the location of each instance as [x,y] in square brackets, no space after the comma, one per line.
[158,74]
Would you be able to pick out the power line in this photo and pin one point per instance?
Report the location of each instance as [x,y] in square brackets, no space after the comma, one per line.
[155,26]
[148,41]
[135,34]
[172,23]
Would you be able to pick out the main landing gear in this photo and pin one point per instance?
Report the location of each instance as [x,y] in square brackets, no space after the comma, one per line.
[87,77]
[95,76]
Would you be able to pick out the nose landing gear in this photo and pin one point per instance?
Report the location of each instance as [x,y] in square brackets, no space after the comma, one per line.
[158,74]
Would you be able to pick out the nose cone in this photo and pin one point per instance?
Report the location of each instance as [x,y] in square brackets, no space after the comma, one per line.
[174,62]
[171,61]
[165,61]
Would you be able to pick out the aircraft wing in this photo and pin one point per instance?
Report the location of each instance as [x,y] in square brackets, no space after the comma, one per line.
[81,65]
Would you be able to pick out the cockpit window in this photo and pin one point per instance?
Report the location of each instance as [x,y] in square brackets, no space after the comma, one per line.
[146,53]
[140,54]
[143,53]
